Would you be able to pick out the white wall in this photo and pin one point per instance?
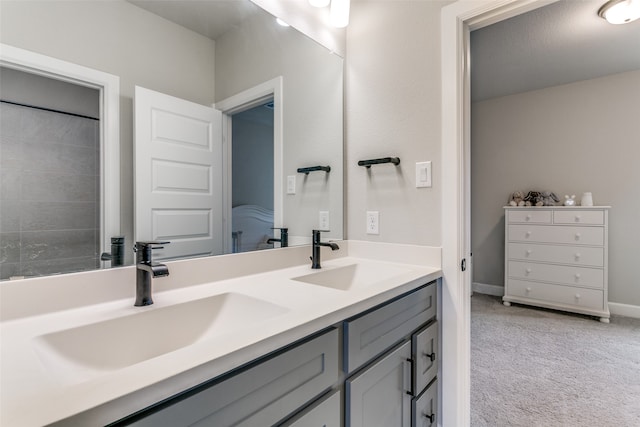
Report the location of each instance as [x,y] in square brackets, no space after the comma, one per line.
[118,38]
[312,106]
[393,109]
[568,139]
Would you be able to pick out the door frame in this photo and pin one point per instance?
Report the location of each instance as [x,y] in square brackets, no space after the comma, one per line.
[242,101]
[457,20]
[109,87]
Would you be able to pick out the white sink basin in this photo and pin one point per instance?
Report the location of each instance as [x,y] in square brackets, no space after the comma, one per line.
[352,276]
[80,353]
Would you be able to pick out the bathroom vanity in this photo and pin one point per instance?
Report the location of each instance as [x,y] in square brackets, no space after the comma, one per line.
[267,341]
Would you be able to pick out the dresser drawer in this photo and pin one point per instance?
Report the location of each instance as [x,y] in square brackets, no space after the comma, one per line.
[577,255]
[578,217]
[571,275]
[369,335]
[529,216]
[553,234]
[557,294]
[424,408]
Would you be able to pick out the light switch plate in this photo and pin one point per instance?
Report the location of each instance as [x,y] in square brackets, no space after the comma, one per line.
[373,226]
[423,174]
[323,220]
[291,184]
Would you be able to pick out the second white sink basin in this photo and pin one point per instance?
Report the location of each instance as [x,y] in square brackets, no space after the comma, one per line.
[86,351]
[352,276]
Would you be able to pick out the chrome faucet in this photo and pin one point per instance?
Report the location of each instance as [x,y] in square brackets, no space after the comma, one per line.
[284,237]
[147,269]
[316,244]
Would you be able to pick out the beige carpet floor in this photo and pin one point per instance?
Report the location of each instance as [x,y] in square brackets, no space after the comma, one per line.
[535,367]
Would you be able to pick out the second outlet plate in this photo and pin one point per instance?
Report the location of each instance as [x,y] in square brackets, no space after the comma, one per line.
[373,226]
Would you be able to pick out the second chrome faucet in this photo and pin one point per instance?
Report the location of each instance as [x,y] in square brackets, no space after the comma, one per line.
[316,244]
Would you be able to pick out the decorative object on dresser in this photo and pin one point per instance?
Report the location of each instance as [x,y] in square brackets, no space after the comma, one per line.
[587,199]
[569,200]
[557,257]
[516,199]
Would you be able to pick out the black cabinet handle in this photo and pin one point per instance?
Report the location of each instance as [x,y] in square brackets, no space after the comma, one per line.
[431,417]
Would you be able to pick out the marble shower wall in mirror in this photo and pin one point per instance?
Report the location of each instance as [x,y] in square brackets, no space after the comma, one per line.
[144,49]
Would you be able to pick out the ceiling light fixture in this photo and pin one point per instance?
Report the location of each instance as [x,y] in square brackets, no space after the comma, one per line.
[319,3]
[339,13]
[620,11]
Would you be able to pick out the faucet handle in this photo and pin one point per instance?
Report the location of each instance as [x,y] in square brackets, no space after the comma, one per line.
[150,245]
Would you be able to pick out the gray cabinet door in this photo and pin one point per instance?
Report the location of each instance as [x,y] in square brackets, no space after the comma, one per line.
[369,335]
[424,408]
[262,395]
[378,396]
[425,351]
[325,414]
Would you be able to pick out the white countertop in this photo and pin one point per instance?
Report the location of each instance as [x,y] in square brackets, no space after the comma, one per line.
[34,394]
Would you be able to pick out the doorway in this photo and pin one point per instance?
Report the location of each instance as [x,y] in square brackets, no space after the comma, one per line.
[252,178]
[60,165]
[456,22]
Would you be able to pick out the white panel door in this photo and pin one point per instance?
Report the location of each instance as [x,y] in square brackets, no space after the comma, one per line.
[178,175]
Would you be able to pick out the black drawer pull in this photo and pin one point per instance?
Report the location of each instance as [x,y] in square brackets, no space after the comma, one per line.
[431,356]
[431,417]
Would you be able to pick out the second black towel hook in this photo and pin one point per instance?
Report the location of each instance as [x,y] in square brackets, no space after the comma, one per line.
[368,163]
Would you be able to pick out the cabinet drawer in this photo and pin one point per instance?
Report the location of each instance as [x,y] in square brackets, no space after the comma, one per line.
[530,216]
[554,234]
[571,275]
[379,395]
[263,394]
[369,335]
[424,408]
[425,354]
[327,413]
[578,255]
[556,294]
[578,217]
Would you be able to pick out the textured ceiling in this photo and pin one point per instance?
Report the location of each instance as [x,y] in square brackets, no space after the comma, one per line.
[557,44]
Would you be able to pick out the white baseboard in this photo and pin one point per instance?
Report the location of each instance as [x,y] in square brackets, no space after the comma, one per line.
[626,310]
[483,288]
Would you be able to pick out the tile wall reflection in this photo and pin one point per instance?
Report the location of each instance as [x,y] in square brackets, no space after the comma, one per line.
[49,192]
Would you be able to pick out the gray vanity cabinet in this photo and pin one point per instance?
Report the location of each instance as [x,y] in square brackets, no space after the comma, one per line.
[262,395]
[391,358]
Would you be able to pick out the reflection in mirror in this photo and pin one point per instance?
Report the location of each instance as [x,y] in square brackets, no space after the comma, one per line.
[170,48]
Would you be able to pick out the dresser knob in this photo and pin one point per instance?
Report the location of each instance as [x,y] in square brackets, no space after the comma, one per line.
[577,276]
[527,218]
[577,296]
[528,289]
[577,236]
[578,256]
[528,234]
[577,218]
[529,252]
[528,271]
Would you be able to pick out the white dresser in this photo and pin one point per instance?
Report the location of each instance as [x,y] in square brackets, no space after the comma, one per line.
[556,257]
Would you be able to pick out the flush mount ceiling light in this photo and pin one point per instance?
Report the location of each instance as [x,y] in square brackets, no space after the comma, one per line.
[319,3]
[339,12]
[620,11]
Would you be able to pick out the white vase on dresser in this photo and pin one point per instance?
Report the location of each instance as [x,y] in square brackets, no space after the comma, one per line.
[557,257]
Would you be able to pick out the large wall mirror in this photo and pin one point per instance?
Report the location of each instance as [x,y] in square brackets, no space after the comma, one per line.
[277,95]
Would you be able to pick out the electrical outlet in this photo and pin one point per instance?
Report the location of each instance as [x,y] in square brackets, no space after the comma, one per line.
[373,226]
[291,184]
[323,220]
